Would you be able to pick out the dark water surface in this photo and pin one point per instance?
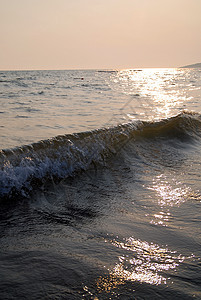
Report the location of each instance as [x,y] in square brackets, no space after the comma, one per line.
[112,213]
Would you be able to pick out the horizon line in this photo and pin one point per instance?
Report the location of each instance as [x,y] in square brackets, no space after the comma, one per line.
[89,69]
[104,69]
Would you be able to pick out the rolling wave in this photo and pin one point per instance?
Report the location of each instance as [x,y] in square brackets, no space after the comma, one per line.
[25,167]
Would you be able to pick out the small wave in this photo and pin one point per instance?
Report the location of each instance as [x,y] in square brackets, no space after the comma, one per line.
[107,71]
[4,81]
[185,126]
[21,117]
[62,156]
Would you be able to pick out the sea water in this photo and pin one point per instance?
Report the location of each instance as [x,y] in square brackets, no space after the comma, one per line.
[100,184]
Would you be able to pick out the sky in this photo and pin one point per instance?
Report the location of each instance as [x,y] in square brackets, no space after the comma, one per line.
[99,34]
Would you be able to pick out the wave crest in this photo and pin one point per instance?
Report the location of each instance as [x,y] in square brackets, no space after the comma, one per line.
[62,156]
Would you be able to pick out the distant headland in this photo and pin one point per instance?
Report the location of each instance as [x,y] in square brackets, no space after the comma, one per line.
[198,65]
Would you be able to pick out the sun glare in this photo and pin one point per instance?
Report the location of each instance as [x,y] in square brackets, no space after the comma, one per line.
[141,262]
[152,92]
[169,193]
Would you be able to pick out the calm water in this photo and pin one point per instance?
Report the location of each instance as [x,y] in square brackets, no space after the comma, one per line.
[100,184]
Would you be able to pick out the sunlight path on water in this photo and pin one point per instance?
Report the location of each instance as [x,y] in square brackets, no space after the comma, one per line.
[154,93]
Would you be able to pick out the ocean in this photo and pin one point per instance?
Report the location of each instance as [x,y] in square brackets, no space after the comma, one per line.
[100,184]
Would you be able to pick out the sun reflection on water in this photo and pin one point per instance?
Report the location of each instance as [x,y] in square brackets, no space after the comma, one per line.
[169,192]
[154,92]
[140,262]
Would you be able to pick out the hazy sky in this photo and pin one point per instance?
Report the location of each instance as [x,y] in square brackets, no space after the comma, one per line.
[77,34]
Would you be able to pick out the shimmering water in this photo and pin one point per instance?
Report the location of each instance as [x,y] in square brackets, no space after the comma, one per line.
[38,105]
[100,184]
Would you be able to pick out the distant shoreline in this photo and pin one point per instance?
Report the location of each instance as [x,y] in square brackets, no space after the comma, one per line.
[198,65]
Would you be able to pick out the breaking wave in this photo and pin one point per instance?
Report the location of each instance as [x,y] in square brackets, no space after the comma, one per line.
[25,167]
